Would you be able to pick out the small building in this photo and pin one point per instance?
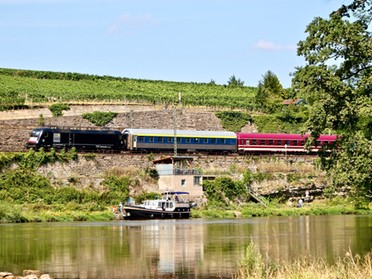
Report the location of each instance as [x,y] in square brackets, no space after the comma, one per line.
[294,102]
[177,174]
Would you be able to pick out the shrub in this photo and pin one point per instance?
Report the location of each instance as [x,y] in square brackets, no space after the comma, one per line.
[100,118]
[58,108]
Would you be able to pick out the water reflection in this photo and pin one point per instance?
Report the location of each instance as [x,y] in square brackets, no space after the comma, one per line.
[175,248]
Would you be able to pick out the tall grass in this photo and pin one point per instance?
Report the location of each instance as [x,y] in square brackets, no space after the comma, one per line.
[252,265]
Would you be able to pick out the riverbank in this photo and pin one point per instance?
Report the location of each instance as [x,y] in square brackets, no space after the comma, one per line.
[16,213]
[351,266]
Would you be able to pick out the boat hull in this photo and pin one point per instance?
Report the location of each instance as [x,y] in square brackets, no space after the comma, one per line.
[138,213]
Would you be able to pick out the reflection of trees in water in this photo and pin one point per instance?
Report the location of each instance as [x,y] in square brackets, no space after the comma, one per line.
[161,248]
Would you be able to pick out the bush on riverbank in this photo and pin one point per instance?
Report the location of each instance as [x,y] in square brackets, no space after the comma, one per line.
[253,265]
[335,206]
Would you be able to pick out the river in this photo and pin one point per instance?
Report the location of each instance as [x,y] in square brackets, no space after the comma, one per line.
[194,248]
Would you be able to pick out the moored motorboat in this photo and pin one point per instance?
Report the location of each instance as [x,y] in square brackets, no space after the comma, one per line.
[172,205]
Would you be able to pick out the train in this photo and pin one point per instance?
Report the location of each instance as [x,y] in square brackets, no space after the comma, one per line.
[163,140]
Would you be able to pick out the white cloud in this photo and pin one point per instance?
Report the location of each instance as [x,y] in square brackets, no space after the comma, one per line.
[270,46]
[127,23]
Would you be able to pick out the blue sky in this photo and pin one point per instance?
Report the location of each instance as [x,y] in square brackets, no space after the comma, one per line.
[172,40]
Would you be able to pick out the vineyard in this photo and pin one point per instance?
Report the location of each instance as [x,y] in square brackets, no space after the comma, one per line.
[19,87]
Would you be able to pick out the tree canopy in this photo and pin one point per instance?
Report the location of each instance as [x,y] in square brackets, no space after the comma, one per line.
[270,92]
[337,84]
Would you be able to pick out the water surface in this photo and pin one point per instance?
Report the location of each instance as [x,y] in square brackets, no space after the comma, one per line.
[194,248]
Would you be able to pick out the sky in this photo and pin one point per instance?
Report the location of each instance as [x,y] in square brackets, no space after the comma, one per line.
[171,40]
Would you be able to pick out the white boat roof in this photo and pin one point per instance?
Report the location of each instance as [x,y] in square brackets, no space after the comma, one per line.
[184,133]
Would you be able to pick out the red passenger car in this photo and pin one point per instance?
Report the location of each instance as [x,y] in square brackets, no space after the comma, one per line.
[291,143]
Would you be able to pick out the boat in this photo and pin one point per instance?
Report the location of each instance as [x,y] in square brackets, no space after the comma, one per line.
[171,205]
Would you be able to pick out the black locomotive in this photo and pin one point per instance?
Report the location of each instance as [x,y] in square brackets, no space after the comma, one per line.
[80,139]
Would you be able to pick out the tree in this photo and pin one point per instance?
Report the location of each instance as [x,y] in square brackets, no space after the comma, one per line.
[340,96]
[270,92]
[235,82]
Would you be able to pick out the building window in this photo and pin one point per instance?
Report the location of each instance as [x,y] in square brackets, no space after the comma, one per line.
[183,182]
[197,180]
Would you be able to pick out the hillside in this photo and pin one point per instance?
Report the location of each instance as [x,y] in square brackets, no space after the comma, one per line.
[25,87]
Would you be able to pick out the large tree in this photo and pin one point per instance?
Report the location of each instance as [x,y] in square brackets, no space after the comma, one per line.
[337,83]
[270,92]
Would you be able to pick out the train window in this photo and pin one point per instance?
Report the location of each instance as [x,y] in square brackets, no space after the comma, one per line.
[214,140]
[224,141]
[205,140]
[160,139]
[196,140]
[271,142]
[187,140]
[295,143]
[169,139]
[151,139]
[179,140]
[262,142]
[279,142]
[287,142]
[56,137]
[140,139]
[254,142]
[302,142]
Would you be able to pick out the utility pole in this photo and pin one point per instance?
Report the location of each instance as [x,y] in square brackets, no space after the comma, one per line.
[175,130]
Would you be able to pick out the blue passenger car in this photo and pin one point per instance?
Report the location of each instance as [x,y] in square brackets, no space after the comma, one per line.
[148,140]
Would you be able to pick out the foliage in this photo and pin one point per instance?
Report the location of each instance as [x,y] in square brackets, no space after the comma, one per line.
[340,95]
[254,265]
[270,92]
[233,120]
[235,82]
[224,191]
[100,118]
[69,87]
[117,188]
[23,186]
[278,123]
[146,196]
[11,100]
[58,108]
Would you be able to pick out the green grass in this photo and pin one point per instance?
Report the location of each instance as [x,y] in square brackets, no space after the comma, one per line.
[253,265]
